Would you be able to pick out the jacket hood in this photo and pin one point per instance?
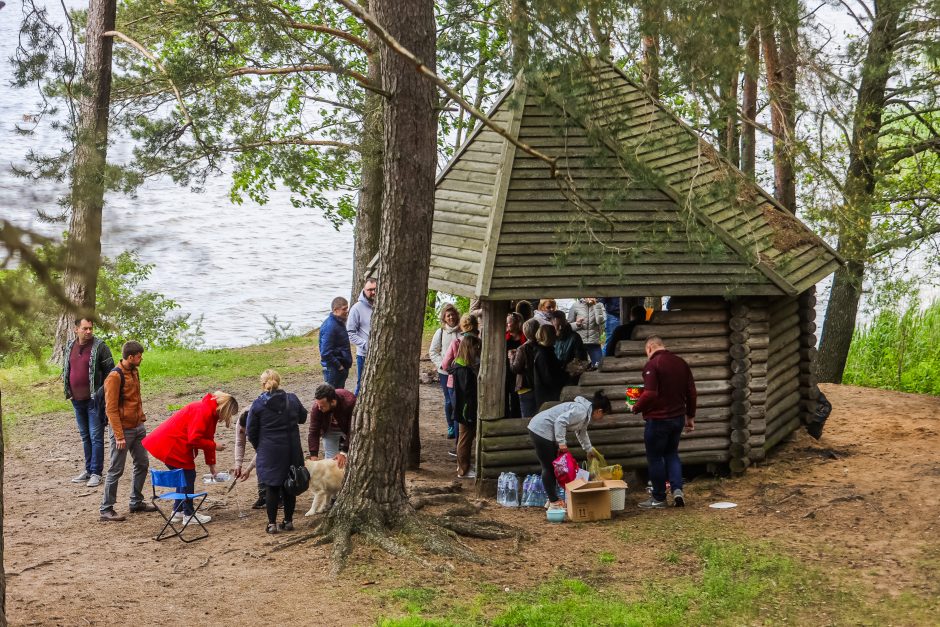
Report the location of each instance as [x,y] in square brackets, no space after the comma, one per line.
[364,300]
[275,401]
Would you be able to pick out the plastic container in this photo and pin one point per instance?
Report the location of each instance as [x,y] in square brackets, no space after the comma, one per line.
[618,499]
[555,515]
[512,490]
[220,477]
[501,489]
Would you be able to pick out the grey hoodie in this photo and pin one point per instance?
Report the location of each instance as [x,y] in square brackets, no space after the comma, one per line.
[359,324]
[555,422]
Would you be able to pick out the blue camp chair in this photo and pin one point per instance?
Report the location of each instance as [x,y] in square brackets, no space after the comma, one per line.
[176,480]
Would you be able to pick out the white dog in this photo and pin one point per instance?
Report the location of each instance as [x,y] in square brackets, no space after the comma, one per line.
[326,478]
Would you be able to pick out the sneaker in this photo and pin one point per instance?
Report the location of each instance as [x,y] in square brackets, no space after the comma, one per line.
[471,474]
[82,478]
[261,503]
[143,506]
[678,498]
[109,515]
[271,528]
[452,452]
[287,525]
[652,503]
[94,481]
[203,518]
[177,517]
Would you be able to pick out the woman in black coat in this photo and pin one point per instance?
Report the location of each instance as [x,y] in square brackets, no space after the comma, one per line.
[548,374]
[272,430]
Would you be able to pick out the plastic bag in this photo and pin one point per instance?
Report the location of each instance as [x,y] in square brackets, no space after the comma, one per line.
[595,463]
[566,468]
[599,469]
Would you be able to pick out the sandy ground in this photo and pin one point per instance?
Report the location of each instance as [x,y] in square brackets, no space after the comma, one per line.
[864,498]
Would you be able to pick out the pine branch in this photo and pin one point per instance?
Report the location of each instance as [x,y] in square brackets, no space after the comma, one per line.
[295,69]
[903,242]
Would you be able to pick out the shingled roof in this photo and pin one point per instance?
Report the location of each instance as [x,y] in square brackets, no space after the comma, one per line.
[639,205]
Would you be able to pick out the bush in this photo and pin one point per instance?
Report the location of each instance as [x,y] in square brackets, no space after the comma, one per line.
[898,351]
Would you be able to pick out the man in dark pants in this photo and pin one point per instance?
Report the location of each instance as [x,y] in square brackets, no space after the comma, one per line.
[335,354]
[668,406]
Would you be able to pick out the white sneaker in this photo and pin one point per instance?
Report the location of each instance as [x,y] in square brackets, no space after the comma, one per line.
[203,518]
[82,478]
[94,481]
[471,474]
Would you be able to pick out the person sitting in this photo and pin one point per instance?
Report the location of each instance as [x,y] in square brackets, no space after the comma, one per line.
[331,419]
[272,430]
[548,431]
[625,331]
[547,373]
[176,441]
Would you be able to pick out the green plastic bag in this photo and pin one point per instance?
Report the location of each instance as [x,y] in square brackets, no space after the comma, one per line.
[596,463]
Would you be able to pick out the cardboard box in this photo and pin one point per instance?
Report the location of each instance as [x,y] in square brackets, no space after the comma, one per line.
[587,500]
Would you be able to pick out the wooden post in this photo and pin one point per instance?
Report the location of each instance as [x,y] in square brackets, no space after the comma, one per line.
[809,389]
[740,448]
[491,384]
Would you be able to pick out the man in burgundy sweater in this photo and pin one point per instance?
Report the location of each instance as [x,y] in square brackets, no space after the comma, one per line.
[86,364]
[668,406]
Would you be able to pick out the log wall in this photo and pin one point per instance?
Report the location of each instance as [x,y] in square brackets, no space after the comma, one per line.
[783,407]
[698,330]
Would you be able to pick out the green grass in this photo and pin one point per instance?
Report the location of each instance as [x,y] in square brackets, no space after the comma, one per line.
[898,351]
[33,387]
[732,583]
[606,557]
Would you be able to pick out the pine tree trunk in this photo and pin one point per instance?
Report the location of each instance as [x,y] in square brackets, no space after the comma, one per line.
[519,34]
[854,221]
[374,496]
[780,64]
[650,28]
[369,210]
[749,105]
[83,248]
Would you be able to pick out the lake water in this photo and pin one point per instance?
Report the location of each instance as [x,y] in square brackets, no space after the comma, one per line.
[232,264]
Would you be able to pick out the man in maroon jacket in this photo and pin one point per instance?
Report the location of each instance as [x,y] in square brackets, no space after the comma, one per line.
[331,419]
[668,407]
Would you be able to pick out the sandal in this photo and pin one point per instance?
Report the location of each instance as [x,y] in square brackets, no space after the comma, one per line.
[287,525]
[272,528]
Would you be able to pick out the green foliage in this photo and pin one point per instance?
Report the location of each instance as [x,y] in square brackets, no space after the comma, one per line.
[898,350]
[130,313]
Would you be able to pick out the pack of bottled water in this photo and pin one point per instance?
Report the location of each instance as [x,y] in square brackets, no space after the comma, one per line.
[507,490]
[533,493]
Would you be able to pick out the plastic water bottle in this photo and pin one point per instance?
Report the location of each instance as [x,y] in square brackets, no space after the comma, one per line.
[501,489]
[539,491]
[512,491]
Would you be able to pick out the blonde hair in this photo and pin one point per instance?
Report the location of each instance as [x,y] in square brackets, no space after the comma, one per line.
[545,302]
[469,323]
[270,380]
[226,406]
[546,335]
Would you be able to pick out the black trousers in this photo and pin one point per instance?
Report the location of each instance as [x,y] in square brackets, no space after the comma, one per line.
[547,452]
[276,494]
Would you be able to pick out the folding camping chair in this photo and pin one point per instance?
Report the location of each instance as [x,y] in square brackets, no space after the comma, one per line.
[177,481]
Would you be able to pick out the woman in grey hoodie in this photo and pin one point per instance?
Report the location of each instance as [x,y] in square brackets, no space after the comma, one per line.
[549,429]
[587,317]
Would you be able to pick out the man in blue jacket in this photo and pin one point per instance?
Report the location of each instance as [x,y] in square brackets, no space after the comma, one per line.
[335,354]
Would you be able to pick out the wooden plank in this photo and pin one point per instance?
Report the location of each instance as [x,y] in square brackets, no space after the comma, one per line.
[471,233]
[457,183]
[449,287]
[464,197]
[614,288]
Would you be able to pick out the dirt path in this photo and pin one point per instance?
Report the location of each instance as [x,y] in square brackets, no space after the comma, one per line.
[865,498]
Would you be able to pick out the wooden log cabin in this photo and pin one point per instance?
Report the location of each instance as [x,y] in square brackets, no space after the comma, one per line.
[636,204]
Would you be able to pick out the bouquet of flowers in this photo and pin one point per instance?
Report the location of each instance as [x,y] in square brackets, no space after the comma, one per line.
[633,393]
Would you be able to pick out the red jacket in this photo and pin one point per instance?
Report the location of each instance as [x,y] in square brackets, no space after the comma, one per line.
[176,441]
[668,388]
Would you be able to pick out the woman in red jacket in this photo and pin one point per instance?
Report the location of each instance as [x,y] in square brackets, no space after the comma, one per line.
[177,441]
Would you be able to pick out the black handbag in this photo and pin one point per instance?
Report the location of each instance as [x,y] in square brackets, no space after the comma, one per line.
[298,477]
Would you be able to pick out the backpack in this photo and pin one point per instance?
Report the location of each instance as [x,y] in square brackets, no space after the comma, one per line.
[99,396]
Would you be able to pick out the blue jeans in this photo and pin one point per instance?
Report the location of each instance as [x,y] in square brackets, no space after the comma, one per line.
[91,430]
[662,454]
[187,505]
[360,366]
[527,404]
[611,323]
[595,353]
[448,406]
[331,440]
[335,376]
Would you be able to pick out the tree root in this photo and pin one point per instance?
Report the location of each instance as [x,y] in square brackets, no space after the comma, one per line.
[463,510]
[483,529]
[419,502]
[454,486]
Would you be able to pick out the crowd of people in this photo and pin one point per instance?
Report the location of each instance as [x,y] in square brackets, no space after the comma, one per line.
[546,350]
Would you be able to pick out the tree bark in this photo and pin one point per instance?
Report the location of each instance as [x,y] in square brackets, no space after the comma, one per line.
[369,210]
[650,29]
[373,498]
[519,35]
[749,105]
[83,247]
[855,220]
[780,64]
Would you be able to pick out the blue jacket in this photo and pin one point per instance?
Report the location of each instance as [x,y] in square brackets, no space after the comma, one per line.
[334,344]
[272,430]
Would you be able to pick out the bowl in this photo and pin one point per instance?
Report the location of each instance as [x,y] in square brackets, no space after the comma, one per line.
[555,515]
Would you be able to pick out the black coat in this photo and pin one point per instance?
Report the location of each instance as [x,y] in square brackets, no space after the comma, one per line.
[465,395]
[548,375]
[272,430]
